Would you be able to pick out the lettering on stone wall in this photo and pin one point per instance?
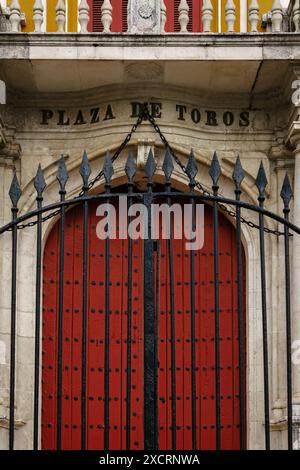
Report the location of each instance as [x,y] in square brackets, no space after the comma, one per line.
[187,114]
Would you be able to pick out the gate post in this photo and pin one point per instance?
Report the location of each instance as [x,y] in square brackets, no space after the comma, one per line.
[150,366]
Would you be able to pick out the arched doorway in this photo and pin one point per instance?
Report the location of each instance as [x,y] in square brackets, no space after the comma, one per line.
[204,338]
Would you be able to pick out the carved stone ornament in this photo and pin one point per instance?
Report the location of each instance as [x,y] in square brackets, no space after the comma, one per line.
[144,16]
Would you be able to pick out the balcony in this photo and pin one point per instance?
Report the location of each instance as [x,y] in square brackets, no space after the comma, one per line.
[210,62]
[158,16]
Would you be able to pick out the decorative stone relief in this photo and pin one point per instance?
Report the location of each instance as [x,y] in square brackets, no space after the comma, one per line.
[296,433]
[144,16]
[149,71]
[5,25]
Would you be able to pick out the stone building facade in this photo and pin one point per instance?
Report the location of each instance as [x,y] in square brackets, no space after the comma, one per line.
[231,92]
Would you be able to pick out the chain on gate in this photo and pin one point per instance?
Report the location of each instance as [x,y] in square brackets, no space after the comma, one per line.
[145,115]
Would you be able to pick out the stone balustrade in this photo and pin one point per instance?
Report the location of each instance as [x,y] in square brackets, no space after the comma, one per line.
[274,18]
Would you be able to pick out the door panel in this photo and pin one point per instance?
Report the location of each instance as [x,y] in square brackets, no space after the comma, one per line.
[205,346]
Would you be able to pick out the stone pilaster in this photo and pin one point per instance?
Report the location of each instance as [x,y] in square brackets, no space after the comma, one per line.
[294,138]
[9,157]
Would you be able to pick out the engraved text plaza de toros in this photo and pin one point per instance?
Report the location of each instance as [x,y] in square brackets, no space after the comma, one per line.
[184,113]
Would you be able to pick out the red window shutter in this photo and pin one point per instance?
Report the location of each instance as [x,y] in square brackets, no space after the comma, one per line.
[195,13]
[95,25]
[119,23]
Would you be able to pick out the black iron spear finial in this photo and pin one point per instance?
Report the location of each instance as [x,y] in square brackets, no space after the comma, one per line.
[85,170]
[191,168]
[261,182]
[62,174]
[238,173]
[286,192]
[150,166]
[39,182]
[130,168]
[215,172]
[168,166]
[108,169]
[15,191]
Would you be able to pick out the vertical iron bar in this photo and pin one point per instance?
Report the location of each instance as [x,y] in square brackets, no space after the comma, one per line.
[191,171]
[14,211]
[286,195]
[107,335]
[240,322]
[261,183]
[37,325]
[288,330]
[60,321]
[129,321]
[193,331]
[157,305]
[217,319]
[84,320]
[173,331]
[264,325]
[150,392]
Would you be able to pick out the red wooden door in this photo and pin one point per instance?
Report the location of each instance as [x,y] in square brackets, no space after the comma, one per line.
[119,22]
[195,15]
[205,342]
[72,338]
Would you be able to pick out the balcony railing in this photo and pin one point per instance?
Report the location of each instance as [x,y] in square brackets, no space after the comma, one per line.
[277,20]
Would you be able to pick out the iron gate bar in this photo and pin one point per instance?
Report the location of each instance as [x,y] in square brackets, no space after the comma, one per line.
[62,178]
[238,176]
[40,185]
[156,321]
[150,393]
[172,319]
[14,193]
[198,197]
[85,172]
[215,173]
[261,183]
[107,172]
[286,194]
[193,338]
[130,170]
[193,326]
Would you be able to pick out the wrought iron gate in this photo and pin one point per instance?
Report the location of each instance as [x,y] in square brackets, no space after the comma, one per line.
[149,255]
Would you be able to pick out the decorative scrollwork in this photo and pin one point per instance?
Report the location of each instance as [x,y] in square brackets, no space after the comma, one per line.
[145,11]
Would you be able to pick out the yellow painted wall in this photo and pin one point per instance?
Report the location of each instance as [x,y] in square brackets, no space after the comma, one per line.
[27,8]
[72,19]
[51,12]
[72,15]
[264,7]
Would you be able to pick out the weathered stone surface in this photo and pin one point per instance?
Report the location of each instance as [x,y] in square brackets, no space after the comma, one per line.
[144,16]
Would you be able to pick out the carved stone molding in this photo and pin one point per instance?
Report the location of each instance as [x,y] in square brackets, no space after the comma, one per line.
[143,149]
[144,16]
[10,154]
[149,71]
[280,152]
[4,423]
